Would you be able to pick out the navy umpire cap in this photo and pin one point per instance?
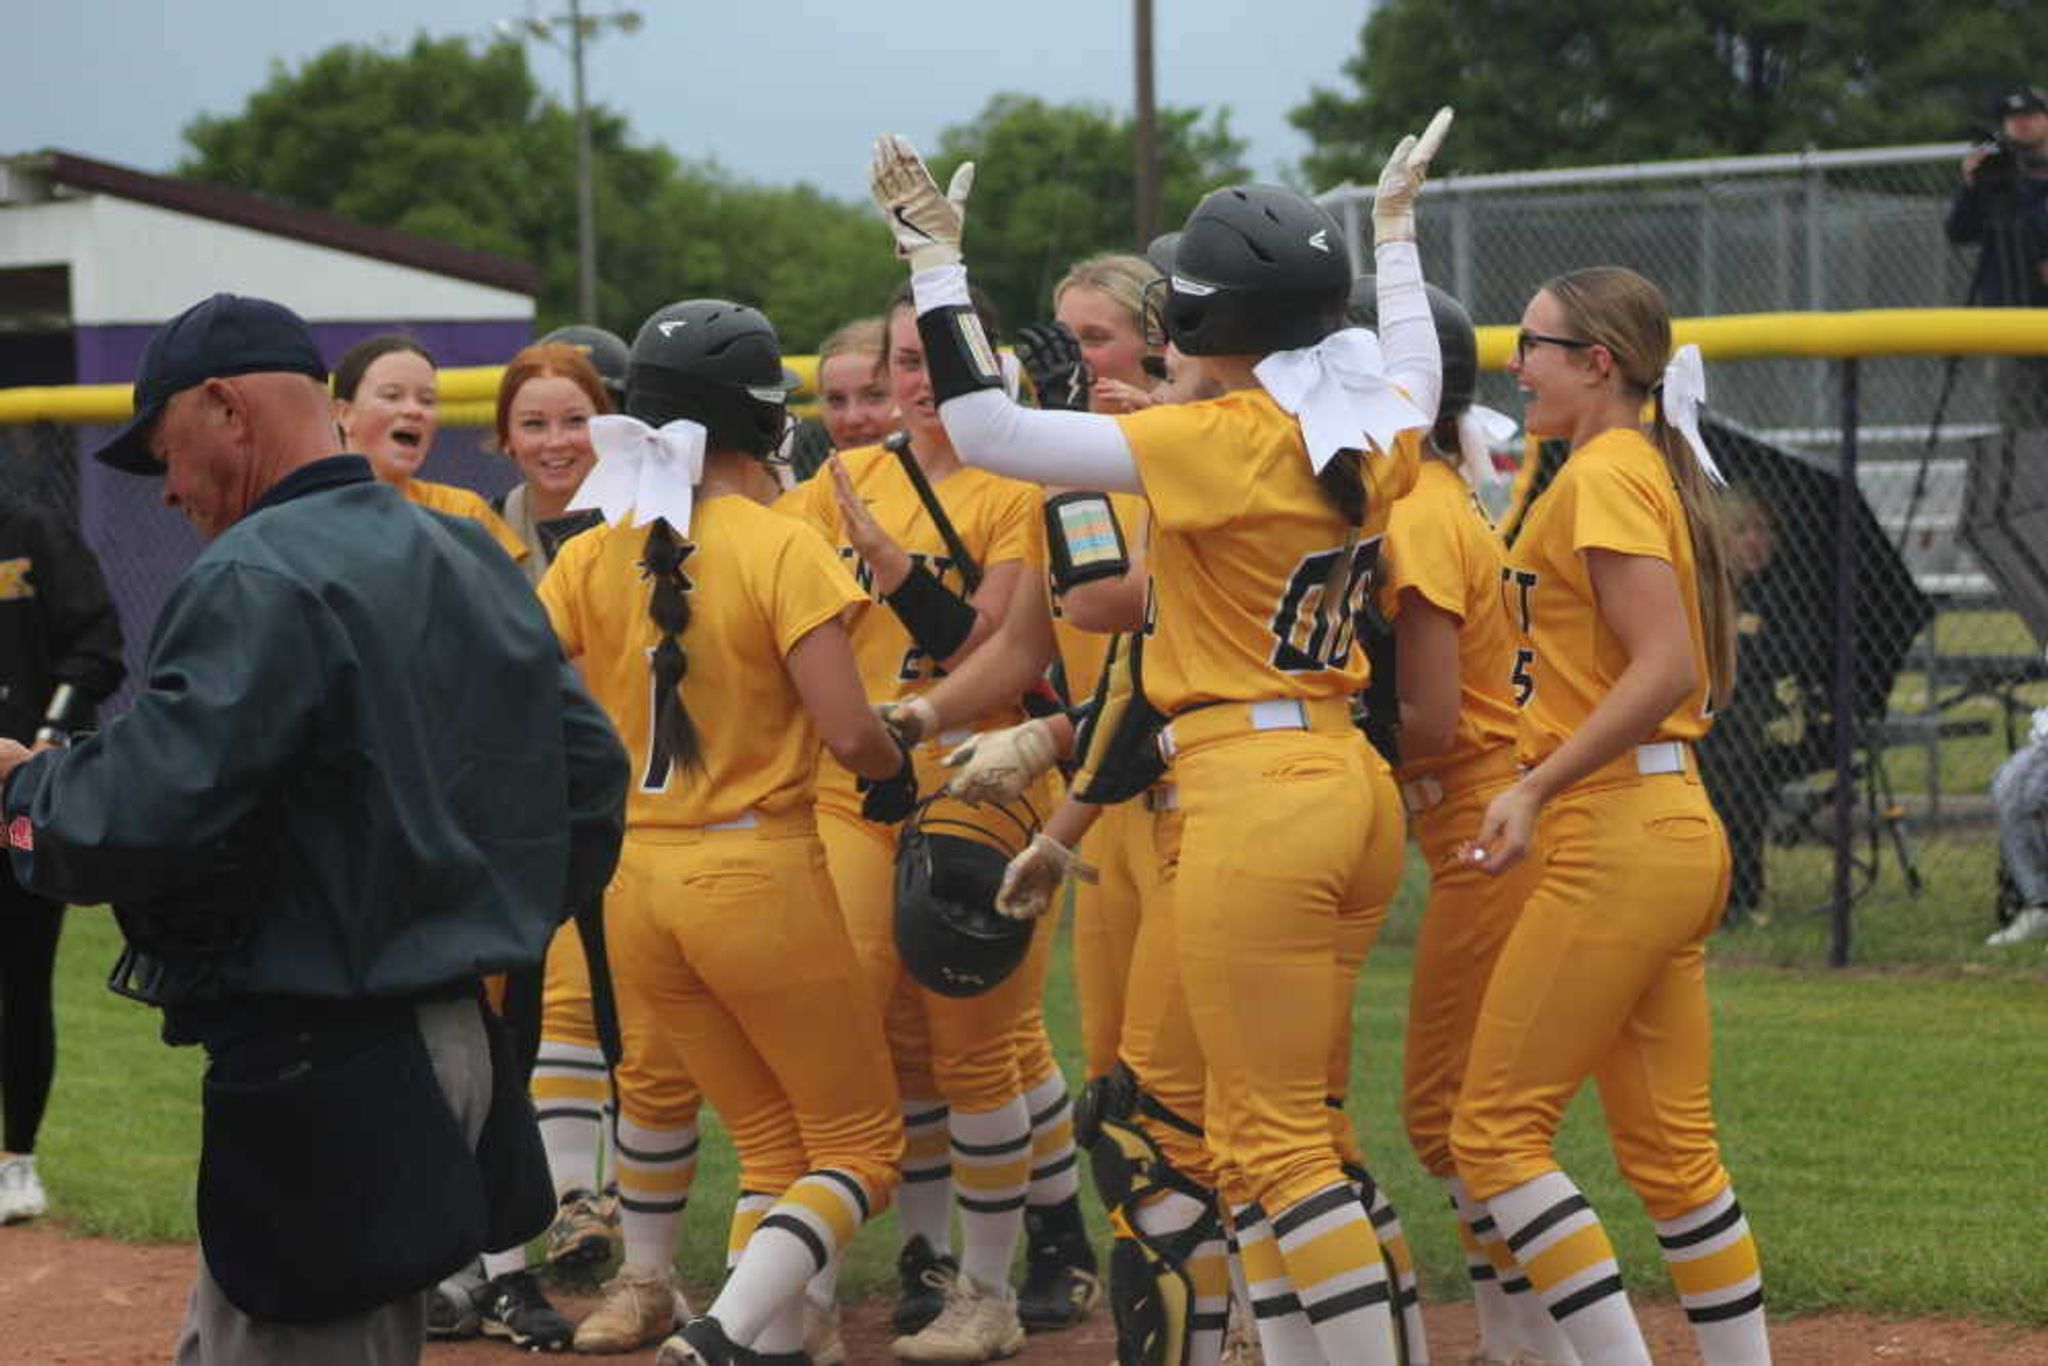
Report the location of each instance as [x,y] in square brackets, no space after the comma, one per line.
[227,334]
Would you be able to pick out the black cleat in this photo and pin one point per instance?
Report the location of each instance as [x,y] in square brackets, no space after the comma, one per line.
[1061,1286]
[514,1309]
[926,1276]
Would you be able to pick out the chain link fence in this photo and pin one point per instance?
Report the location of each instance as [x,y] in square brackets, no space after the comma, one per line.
[1939,668]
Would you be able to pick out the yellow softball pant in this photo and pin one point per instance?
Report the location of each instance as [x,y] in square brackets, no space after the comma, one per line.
[1286,862]
[1603,976]
[733,967]
[1106,917]
[966,1050]
[1464,927]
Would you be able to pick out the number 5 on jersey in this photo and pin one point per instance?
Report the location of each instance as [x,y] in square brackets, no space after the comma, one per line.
[1516,586]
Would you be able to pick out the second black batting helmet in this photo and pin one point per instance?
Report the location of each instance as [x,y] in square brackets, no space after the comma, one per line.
[949,934]
[714,362]
[606,352]
[1257,269]
[1455,338]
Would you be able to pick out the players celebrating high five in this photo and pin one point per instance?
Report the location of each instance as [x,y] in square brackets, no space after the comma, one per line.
[1266,508]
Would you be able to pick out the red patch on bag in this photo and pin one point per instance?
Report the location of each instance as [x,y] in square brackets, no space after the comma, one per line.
[21,834]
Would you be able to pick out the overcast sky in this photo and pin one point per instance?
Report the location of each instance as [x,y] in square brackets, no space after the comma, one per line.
[777,92]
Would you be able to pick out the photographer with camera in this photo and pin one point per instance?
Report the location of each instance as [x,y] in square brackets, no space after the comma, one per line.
[2003,204]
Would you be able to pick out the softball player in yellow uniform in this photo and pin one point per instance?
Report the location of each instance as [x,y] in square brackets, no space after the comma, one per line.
[387,404]
[714,639]
[1619,593]
[1262,545]
[961,1070]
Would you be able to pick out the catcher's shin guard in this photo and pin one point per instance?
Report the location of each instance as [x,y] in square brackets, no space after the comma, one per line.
[1151,1295]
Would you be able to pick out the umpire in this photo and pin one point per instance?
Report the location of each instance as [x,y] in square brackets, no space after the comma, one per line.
[336,804]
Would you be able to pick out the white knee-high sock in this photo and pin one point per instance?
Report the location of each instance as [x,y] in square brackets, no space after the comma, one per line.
[924,1201]
[1554,1234]
[657,1167]
[992,1172]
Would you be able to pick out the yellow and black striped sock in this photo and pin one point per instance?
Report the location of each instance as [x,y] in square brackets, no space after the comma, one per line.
[795,1240]
[1713,1261]
[1333,1258]
[1554,1234]
[924,1200]
[991,1174]
[656,1169]
[1284,1331]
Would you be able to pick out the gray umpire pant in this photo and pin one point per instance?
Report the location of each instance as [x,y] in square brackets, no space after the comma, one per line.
[218,1334]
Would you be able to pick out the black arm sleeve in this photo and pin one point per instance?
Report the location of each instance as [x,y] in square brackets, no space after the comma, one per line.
[937,620]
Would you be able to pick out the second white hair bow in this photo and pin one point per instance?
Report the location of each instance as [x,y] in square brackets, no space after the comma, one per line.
[1339,391]
[1480,429]
[643,471]
[1685,389]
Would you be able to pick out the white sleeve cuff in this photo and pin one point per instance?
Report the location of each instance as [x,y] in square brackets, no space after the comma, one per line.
[940,287]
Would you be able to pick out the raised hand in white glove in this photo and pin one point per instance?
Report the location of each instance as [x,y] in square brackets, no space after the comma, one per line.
[1393,204]
[1035,876]
[909,721]
[998,765]
[927,224]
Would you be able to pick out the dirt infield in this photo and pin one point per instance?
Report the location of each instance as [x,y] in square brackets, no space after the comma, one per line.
[66,1299]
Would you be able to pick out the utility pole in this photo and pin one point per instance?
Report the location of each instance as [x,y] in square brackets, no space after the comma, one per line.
[580,28]
[586,199]
[1145,140]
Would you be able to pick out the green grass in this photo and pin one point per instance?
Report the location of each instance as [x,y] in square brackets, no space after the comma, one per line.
[1884,1130]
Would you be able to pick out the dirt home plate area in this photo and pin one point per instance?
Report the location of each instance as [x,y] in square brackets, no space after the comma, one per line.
[66,1299]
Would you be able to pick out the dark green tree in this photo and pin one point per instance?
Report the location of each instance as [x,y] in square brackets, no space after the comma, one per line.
[459,143]
[1542,83]
[1054,184]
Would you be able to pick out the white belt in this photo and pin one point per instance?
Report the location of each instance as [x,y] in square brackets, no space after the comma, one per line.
[1272,713]
[746,820]
[1665,756]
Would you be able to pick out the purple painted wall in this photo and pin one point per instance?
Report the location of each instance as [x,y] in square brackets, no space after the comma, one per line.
[144,546]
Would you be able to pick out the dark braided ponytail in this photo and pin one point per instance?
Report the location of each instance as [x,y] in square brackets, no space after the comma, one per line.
[675,734]
[1343,481]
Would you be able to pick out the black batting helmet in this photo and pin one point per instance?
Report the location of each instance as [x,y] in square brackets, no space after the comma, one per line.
[1257,269]
[949,934]
[606,352]
[713,362]
[1455,338]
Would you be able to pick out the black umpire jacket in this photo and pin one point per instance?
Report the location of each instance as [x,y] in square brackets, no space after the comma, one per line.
[362,704]
[56,624]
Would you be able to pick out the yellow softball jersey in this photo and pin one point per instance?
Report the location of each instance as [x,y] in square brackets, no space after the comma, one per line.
[997,519]
[1614,493]
[1441,546]
[758,583]
[1250,595]
[460,502]
[1083,652]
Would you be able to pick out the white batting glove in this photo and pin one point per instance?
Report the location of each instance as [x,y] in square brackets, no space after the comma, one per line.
[999,765]
[1393,204]
[909,722]
[926,223]
[1035,876]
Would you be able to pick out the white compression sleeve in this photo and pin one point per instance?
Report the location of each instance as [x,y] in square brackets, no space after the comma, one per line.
[1057,449]
[1407,334]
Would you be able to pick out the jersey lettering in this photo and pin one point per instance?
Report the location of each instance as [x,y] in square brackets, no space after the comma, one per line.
[1314,623]
[1516,587]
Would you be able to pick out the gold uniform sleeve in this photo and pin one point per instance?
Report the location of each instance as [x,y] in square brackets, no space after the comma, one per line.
[562,587]
[809,587]
[1625,510]
[1194,467]
[1425,551]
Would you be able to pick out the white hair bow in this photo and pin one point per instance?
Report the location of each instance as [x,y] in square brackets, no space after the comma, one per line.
[1685,389]
[1339,391]
[642,471]
[1480,429]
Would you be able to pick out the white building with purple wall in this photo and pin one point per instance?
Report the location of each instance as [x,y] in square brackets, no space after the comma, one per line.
[94,256]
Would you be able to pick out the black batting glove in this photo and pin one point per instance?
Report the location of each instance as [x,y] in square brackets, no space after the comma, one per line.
[889,801]
[1051,355]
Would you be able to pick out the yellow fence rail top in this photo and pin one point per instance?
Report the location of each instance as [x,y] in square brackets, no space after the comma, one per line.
[468,394]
